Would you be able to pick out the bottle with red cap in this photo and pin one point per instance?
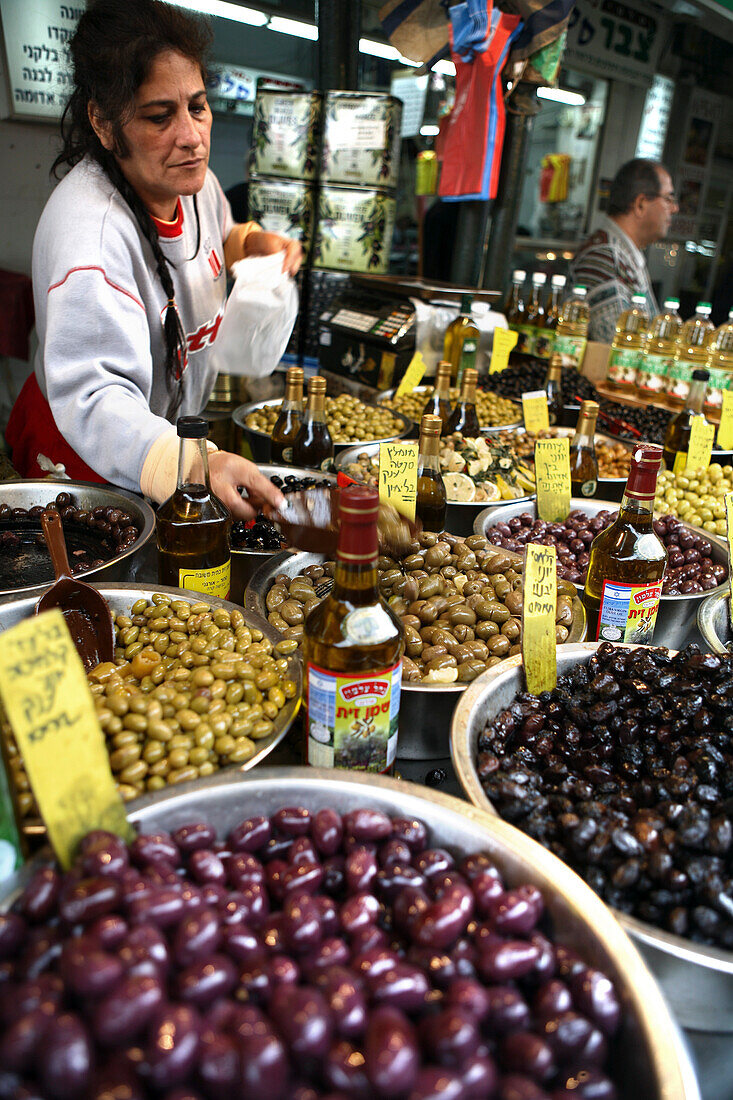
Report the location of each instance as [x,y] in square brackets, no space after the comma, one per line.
[627,561]
[352,651]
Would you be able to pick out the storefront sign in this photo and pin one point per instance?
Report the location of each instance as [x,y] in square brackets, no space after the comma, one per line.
[39,74]
[616,40]
[655,119]
[412,91]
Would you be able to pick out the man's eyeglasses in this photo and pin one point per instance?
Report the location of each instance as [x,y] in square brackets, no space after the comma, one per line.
[670,198]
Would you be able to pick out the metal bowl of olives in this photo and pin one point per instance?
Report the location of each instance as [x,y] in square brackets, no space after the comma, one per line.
[713,620]
[426,708]
[121,599]
[697,979]
[398,427]
[677,614]
[489,407]
[460,516]
[32,560]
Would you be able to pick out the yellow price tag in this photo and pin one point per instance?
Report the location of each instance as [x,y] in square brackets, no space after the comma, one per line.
[725,428]
[398,476]
[504,341]
[534,407]
[552,475]
[49,706]
[412,376]
[538,618]
[701,444]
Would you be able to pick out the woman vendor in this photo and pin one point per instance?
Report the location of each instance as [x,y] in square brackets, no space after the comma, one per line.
[129,263]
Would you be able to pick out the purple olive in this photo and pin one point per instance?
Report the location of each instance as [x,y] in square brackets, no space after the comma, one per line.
[264,1065]
[241,943]
[360,869]
[103,853]
[517,912]
[32,994]
[367,825]
[196,936]
[368,938]
[327,831]
[343,1069]
[551,999]
[292,821]
[402,986]
[479,1077]
[594,995]
[206,866]
[391,879]
[12,934]
[330,952]
[517,1086]
[109,930]
[374,962]
[412,831]
[393,852]
[65,1058]
[207,978]
[358,911]
[87,970]
[42,947]
[507,1011]
[587,1084]
[566,1034]
[163,907]
[408,906]
[432,1083]
[193,837]
[303,877]
[21,1040]
[303,1018]
[507,961]
[525,1052]
[145,951]
[89,899]
[219,1065]
[172,1045]
[124,1012]
[302,921]
[433,861]
[38,901]
[446,919]
[391,1052]
[449,1037]
[281,969]
[154,848]
[344,994]
[488,889]
[330,920]
[242,869]
[250,835]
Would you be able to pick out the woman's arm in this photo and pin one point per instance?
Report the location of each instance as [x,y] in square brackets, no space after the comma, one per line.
[247,239]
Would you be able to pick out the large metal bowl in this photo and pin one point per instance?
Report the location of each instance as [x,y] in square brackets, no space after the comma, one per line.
[713,620]
[246,562]
[677,614]
[425,709]
[121,597]
[386,395]
[86,495]
[650,1058]
[460,516]
[697,980]
[260,441]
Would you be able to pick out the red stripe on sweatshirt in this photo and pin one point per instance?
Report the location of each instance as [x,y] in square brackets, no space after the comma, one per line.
[93,267]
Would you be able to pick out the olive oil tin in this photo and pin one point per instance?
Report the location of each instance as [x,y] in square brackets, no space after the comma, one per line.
[354,229]
[283,206]
[361,139]
[286,132]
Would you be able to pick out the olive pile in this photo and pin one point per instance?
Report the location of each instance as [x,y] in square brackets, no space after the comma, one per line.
[491,409]
[309,956]
[514,381]
[261,533]
[460,603]
[690,567]
[696,496]
[625,771]
[649,421]
[349,419]
[191,689]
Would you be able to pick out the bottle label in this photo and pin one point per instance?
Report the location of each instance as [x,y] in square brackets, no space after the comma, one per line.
[287,456]
[571,347]
[628,612]
[469,352]
[327,465]
[525,339]
[352,719]
[588,488]
[210,582]
[719,380]
[544,343]
[653,373]
[623,364]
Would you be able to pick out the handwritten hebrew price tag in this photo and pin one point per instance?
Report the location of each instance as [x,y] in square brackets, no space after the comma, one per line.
[552,475]
[413,375]
[701,444]
[398,476]
[538,618]
[536,413]
[49,706]
[504,341]
[725,429]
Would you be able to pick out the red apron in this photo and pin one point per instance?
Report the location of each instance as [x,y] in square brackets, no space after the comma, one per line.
[32,431]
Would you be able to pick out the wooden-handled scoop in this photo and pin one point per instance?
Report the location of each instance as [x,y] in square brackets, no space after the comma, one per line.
[85,610]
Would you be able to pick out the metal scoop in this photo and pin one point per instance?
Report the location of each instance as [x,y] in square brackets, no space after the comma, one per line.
[85,610]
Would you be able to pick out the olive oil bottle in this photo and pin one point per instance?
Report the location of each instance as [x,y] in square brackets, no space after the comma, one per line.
[438,404]
[627,561]
[553,389]
[679,429]
[192,526]
[583,461]
[431,501]
[352,652]
[313,446]
[464,418]
[289,419]
[460,347]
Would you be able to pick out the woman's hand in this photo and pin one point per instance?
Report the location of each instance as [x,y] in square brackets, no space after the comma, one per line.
[261,243]
[228,472]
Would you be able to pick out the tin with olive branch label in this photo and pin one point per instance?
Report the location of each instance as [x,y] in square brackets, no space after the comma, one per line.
[286,133]
[361,139]
[354,230]
[283,206]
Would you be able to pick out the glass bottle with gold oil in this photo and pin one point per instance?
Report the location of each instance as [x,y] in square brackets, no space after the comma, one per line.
[192,526]
[553,389]
[627,561]
[352,652]
[544,341]
[460,347]
[289,418]
[313,446]
[516,315]
[535,318]
[464,418]
[583,461]
[438,404]
[679,429]
[431,501]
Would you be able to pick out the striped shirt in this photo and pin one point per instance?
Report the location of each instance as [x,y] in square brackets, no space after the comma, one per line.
[613,269]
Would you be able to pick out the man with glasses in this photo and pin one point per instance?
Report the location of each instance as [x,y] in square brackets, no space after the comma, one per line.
[611,263]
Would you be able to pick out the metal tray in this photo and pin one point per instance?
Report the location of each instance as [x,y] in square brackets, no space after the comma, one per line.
[713,620]
[650,1056]
[425,709]
[697,980]
[121,597]
[677,614]
[260,441]
[460,516]
[88,495]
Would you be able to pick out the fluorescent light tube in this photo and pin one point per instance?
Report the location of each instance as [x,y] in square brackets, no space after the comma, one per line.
[225,10]
[294,27]
[429,131]
[384,50]
[445,67]
[562,95]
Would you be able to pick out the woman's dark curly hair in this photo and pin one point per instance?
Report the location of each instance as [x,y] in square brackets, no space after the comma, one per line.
[112,50]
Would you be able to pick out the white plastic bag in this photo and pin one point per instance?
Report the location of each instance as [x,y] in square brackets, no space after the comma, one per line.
[258,318]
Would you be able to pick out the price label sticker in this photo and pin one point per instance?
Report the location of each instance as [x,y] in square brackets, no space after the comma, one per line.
[50,709]
[398,476]
[412,376]
[701,444]
[534,407]
[725,428]
[504,341]
[552,475]
[729,518]
[538,618]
